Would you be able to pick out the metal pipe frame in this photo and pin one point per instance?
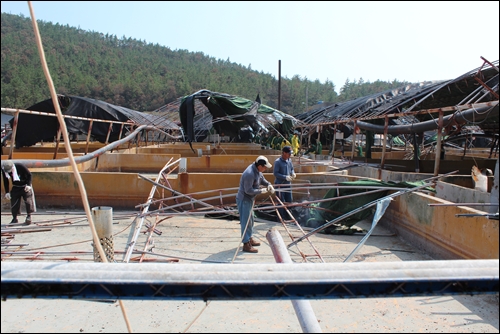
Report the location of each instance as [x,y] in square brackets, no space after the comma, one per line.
[138,227]
[32,163]
[286,281]
[429,182]
[232,195]
[458,117]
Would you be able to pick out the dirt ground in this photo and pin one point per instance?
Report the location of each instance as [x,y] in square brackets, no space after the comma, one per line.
[66,236]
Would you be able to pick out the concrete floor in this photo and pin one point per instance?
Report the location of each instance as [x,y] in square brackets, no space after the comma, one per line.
[200,240]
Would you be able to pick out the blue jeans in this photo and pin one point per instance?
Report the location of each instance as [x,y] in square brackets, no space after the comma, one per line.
[245,209]
[286,194]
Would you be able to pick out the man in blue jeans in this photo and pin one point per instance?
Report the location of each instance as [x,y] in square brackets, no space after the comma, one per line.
[284,174]
[250,186]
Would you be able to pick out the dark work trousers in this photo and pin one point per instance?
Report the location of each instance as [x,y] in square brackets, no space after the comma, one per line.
[16,194]
[286,197]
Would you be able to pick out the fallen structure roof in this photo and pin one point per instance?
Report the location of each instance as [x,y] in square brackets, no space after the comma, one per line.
[414,103]
[35,127]
[227,114]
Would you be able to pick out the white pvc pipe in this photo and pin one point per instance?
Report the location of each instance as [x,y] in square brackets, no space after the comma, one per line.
[303,308]
[103,221]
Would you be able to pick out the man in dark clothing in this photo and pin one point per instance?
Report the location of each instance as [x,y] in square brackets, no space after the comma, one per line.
[21,188]
[311,149]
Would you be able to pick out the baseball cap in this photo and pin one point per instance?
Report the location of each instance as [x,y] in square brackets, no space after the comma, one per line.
[262,161]
[7,166]
[287,149]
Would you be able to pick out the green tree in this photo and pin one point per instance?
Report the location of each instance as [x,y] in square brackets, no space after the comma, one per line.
[139,75]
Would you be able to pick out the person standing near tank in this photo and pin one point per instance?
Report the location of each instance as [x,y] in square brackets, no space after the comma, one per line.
[21,179]
[295,143]
[284,173]
[252,183]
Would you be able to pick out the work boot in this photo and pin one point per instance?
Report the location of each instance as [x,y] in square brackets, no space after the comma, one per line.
[247,247]
[14,221]
[27,221]
[254,242]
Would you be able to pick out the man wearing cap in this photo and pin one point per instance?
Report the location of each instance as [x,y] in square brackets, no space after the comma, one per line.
[250,186]
[21,188]
[283,175]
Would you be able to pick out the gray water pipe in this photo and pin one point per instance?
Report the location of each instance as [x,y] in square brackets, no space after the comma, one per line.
[460,117]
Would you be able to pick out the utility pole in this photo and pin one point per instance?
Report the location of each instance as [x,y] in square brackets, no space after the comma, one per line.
[279,84]
[307,91]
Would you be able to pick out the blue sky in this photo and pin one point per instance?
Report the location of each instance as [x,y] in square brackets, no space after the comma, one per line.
[335,41]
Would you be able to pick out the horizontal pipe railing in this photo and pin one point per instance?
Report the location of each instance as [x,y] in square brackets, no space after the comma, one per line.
[247,281]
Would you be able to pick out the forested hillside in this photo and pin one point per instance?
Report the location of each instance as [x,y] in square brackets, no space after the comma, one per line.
[130,73]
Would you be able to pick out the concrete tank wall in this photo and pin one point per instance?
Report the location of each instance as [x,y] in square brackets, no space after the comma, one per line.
[437,231]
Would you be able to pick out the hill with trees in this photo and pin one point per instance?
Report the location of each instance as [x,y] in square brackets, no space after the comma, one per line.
[139,75]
